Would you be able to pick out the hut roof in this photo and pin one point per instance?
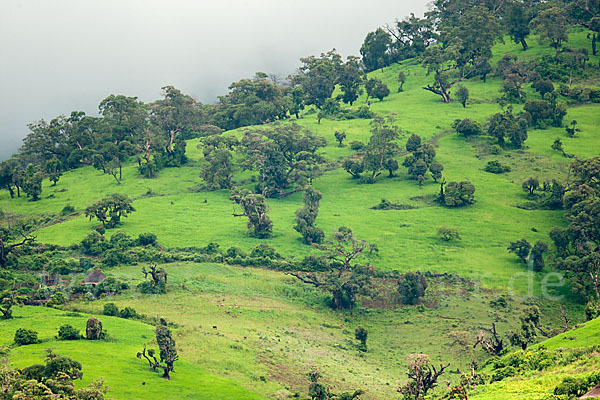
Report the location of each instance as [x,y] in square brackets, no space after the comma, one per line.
[95,277]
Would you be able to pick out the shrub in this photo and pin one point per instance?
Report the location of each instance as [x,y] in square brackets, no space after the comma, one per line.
[25,336]
[111,309]
[448,233]
[68,209]
[468,127]
[314,264]
[56,299]
[495,167]
[264,250]
[128,313]
[356,145]
[411,287]
[234,252]
[145,239]
[459,194]
[67,332]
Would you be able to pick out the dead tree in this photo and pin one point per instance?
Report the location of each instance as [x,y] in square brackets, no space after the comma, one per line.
[422,375]
[491,344]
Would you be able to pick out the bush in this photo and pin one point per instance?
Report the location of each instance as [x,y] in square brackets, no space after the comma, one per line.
[496,168]
[468,128]
[111,309]
[234,252]
[459,194]
[265,251]
[411,287]
[146,239]
[68,209]
[128,313]
[67,332]
[314,264]
[448,233]
[25,336]
[56,299]
[356,145]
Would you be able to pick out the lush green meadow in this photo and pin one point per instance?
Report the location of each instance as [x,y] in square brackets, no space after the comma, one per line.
[243,331]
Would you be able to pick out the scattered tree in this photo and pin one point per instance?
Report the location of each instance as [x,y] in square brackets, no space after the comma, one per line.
[110,209]
[412,287]
[462,95]
[340,136]
[448,233]
[530,185]
[255,209]
[457,194]
[167,351]
[520,248]
[306,216]
[158,280]
[361,335]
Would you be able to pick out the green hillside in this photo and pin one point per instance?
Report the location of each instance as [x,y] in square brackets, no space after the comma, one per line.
[249,331]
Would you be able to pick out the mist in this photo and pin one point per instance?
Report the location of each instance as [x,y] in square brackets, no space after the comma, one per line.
[64,55]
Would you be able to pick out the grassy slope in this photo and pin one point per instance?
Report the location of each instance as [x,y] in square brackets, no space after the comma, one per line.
[286,325]
[114,360]
[534,385]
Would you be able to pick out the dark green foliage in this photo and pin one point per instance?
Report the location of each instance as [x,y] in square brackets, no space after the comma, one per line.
[32,182]
[530,322]
[255,209]
[495,167]
[592,310]
[530,185]
[157,284]
[517,22]
[110,209]
[306,216]
[546,112]
[25,336]
[380,91]
[218,170]
[317,77]
[361,335]
[111,309]
[462,95]
[575,387]
[67,332]
[578,245]
[543,86]
[128,313]
[448,233]
[344,279]
[354,167]
[458,194]
[167,351]
[385,204]
[375,50]
[520,248]
[421,160]
[340,136]
[264,250]
[412,287]
[551,25]
[350,79]
[382,146]
[357,145]
[285,158]
[537,255]
[109,287]
[53,169]
[506,125]
[468,127]
[402,80]
[413,143]
[146,239]
[94,244]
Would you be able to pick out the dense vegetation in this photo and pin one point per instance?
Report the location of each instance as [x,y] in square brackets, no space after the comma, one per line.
[481,148]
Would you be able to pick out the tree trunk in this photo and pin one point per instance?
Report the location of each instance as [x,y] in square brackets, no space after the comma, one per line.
[524,44]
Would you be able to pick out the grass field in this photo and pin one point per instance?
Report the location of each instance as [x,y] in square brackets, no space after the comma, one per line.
[270,328]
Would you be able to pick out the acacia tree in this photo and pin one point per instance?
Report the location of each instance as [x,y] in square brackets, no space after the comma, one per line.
[578,245]
[14,234]
[350,80]
[285,158]
[382,145]
[490,341]
[317,77]
[344,279]
[551,24]
[375,50]
[110,209]
[306,216]
[255,209]
[158,280]
[167,351]
[466,44]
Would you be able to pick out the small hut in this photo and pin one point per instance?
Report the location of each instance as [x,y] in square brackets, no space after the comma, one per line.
[94,278]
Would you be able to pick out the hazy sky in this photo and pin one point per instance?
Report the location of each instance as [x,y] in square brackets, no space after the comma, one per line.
[57,56]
